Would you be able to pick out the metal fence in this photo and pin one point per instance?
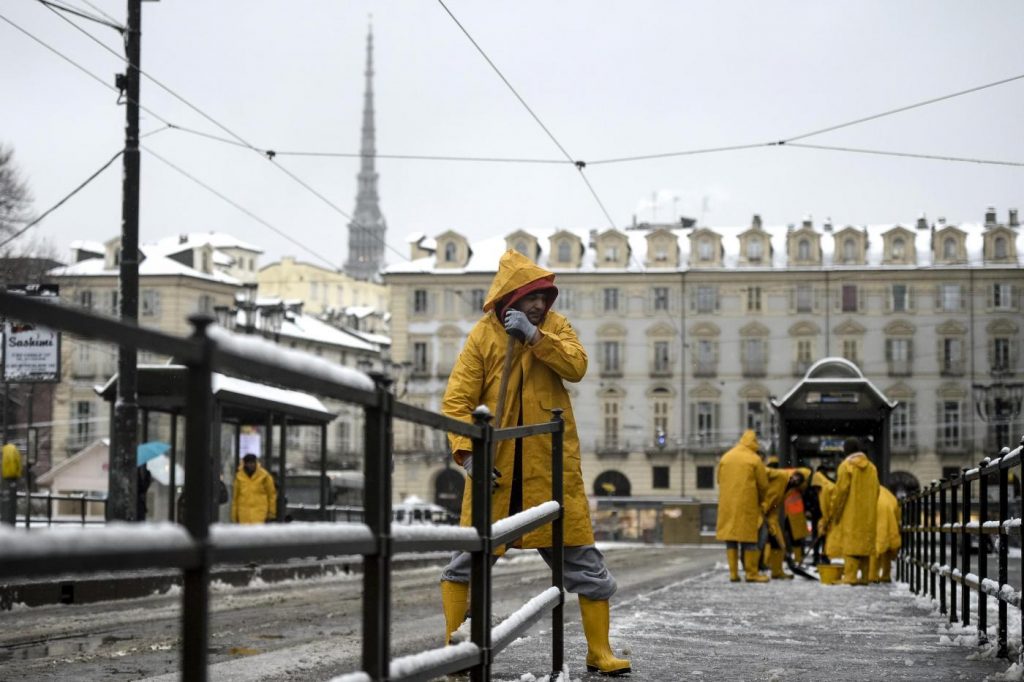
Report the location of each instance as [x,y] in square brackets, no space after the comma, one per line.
[32,518]
[196,546]
[949,520]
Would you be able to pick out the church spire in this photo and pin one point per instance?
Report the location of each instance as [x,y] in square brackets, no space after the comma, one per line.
[367,229]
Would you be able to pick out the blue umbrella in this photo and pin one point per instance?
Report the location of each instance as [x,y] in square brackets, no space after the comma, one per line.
[147,451]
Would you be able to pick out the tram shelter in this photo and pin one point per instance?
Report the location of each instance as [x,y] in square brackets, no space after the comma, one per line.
[833,401]
[163,389]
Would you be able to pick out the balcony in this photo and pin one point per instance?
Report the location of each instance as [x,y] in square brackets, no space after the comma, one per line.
[900,368]
[670,450]
[705,370]
[754,369]
[904,446]
[951,448]
[661,372]
[611,372]
[1002,370]
[706,444]
[611,446]
[952,368]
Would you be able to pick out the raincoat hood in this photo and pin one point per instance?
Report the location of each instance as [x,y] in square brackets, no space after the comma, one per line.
[749,440]
[518,276]
[858,459]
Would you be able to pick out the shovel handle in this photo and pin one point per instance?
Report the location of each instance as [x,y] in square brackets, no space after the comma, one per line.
[506,370]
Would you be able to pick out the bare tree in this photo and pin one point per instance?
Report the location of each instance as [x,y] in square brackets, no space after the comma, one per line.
[24,259]
[15,196]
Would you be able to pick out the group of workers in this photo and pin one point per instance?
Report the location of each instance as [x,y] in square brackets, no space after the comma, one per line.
[767,513]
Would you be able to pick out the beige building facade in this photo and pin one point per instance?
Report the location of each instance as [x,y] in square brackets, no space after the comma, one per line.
[691,331]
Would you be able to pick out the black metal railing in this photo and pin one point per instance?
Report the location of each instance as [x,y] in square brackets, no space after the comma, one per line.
[30,518]
[949,520]
[197,545]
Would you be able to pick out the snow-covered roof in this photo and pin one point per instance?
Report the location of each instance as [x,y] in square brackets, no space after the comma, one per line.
[87,245]
[153,265]
[309,328]
[271,394]
[486,253]
[218,240]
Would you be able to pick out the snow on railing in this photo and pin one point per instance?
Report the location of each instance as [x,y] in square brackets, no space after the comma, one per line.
[523,518]
[1011,523]
[297,533]
[524,616]
[114,537]
[404,532]
[414,663]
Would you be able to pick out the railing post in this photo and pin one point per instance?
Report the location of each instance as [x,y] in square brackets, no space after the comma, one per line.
[982,553]
[1004,513]
[82,504]
[943,519]
[965,549]
[954,539]
[198,489]
[557,545]
[932,532]
[918,541]
[480,576]
[377,504]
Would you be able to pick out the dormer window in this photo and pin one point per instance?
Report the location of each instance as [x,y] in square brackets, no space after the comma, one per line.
[564,252]
[522,248]
[849,250]
[755,249]
[206,261]
[661,254]
[949,248]
[704,249]
[899,248]
[803,250]
[999,248]
[611,254]
[450,252]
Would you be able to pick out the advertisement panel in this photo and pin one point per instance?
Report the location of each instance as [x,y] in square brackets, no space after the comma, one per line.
[31,352]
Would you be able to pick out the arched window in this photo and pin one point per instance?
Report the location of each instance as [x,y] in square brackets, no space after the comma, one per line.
[849,250]
[704,249]
[899,248]
[521,248]
[564,251]
[999,247]
[612,483]
[803,250]
[949,248]
[449,252]
[755,249]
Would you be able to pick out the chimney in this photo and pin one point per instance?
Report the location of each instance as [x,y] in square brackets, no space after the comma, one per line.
[755,222]
[827,225]
[790,227]
[182,238]
[990,217]
[1013,222]
[941,221]
[922,222]
[808,221]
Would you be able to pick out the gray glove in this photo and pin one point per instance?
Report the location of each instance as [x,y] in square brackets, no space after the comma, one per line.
[518,325]
[467,464]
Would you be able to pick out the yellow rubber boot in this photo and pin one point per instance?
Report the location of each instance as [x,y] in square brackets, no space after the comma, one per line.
[851,565]
[733,556]
[775,563]
[455,601]
[886,560]
[751,558]
[596,621]
[873,562]
[798,554]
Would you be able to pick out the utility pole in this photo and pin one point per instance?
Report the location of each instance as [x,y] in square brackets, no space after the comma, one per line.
[122,478]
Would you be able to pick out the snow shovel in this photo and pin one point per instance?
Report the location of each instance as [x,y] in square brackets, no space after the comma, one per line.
[797,569]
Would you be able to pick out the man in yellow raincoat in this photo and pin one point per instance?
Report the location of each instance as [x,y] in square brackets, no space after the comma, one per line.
[519,303]
[742,484]
[779,482]
[855,511]
[255,497]
[825,489]
[887,537]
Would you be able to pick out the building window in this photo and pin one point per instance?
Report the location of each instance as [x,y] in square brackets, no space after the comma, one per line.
[1001,355]
[660,477]
[849,302]
[804,298]
[113,303]
[850,348]
[564,251]
[343,435]
[661,360]
[705,478]
[450,252]
[522,248]
[898,355]
[205,304]
[949,297]
[899,248]
[899,298]
[660,424]
[902,426]
[753,357]
[84,299]
[704,425]
[804,356]
[420,358]
[83,426]
[611,424]
[949,248]
[803,250]
[949,424]
[707,299]
[660,253]
[999,248]
[704,358]
[704,250]
[1002,296]
[611,253]
[419,301]
[849,250]
[660,298]
[611,300]
[150,303]
[476,300]
[754,299]
[755,250]
[610,357]
[952,357]
[753,417]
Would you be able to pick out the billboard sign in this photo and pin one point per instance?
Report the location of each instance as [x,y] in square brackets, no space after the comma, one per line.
[31,352]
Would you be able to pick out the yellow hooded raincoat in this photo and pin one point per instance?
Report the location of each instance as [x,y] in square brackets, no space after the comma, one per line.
[742,485]
[255,497]
[855,506]
[826,491]
[535,386]
[887,532]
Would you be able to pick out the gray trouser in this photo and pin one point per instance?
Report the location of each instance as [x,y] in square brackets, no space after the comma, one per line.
[742,546]
[584,571]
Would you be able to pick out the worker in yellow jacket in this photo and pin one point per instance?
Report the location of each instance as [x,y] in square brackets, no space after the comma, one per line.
[780,481]
[825,492]
[255,497]
[887,537]
[548,355]
[742,484]
[855,511]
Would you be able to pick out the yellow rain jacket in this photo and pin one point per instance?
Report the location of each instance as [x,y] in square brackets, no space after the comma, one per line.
[887,532]
[11,461]
[826,491]
[742,485]
[255,497]
[855,505]
[776,491]
[793,506]
[535,387]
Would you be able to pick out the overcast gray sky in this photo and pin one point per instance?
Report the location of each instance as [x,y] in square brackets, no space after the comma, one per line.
[609,79]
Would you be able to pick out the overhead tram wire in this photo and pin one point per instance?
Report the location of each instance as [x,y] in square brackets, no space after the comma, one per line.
[580,165]
[60,203]
[55,6]
[909,155]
